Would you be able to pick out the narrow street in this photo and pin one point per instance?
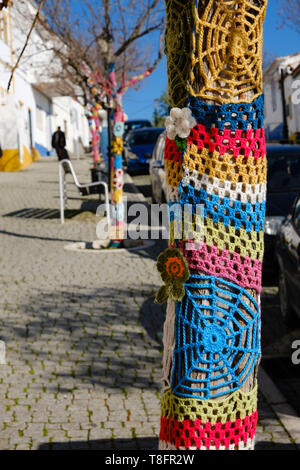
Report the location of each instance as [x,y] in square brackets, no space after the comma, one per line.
[83,357]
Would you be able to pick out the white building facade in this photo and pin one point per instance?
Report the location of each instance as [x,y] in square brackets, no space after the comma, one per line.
[274,111]
[33,108]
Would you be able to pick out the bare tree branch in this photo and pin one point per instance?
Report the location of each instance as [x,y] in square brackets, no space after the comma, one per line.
[96,34]
[26,43]
[289,12]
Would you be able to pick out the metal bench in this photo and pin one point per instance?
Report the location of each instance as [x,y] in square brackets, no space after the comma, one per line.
[63,197]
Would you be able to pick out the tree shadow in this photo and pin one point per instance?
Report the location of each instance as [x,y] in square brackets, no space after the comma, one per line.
[142,443]
[138,444]
[103,335]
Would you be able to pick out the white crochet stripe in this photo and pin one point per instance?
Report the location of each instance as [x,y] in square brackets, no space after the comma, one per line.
[173,195]
[168,341]
[249,445]
[235,191]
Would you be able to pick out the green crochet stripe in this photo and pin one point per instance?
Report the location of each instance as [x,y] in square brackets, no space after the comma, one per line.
[212,233]
[238,405]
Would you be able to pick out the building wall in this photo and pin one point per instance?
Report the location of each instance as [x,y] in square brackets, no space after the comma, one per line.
[273,98]
[273,110]
[70,116]
[29,116]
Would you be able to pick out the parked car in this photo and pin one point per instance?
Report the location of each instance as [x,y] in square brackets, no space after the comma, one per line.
[135,124]
[288,256]
[157,171]
[283,187]
[139,148]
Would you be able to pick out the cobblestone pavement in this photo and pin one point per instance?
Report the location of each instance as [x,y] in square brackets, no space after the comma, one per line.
[82,334]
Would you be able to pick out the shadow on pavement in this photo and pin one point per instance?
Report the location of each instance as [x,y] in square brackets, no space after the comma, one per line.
[36,237]
[274,446]
[97,332]
[142,443]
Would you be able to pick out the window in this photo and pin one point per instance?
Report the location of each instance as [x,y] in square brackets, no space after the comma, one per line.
[146,137]
[39,119]
[74,117]
[65,127]
[273,95]
[283,170]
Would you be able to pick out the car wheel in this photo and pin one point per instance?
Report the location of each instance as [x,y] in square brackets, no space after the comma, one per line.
[285,306]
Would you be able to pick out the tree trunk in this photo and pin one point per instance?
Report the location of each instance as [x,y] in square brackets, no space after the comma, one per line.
[212,328]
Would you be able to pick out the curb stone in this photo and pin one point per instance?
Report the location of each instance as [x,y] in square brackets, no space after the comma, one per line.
[283,410]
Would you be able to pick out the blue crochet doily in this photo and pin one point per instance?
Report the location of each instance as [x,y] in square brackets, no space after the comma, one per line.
[216,335]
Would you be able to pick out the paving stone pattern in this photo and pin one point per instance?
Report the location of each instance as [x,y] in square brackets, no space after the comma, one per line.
[82,334]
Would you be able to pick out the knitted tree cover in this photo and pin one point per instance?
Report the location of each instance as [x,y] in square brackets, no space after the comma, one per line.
[212,327]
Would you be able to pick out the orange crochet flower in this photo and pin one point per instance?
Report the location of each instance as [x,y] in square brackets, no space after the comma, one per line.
[174,271]
[174,266]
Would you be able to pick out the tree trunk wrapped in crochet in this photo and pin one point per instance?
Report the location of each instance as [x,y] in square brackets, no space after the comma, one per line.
[215,160]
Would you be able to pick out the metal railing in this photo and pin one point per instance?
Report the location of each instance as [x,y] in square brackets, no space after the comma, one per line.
[63,197]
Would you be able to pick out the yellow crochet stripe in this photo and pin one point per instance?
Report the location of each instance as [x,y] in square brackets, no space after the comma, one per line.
[173,173]
[238,405]
[216,233]
[227,50]
[226,167]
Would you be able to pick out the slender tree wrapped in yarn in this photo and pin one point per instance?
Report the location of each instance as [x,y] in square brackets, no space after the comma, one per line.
[212,330]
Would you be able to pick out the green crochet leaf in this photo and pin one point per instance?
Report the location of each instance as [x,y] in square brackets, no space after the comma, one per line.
[177,292]
[162,295]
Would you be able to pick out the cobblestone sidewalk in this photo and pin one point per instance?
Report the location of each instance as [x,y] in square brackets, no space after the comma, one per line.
[82,334]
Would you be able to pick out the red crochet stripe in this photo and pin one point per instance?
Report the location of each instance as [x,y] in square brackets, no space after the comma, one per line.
[240,142]
[189,433]
[172,152]
[244,271]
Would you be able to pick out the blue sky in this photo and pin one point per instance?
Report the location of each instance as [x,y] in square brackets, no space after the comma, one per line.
[277,42]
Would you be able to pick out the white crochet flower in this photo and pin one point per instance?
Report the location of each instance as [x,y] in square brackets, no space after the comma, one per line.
[180,122]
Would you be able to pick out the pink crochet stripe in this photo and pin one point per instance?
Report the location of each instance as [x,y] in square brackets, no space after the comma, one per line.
[248,143]
[190,433]
[244,271]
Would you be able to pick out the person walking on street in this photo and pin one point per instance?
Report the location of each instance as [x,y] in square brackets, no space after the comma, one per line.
[59,143]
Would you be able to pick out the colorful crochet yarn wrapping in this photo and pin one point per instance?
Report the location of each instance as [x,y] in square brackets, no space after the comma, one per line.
[212,335]
[206,425]
[117,226]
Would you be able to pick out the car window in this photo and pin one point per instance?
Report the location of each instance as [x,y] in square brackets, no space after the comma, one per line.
[146,137]
[137,125]
[283,171]
[159,148]
[296,215]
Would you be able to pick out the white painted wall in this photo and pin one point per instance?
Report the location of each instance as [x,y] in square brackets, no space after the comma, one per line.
[70,116]
[35,114]
[273,98]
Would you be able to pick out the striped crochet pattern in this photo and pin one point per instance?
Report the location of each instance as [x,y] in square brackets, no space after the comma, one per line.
[205,425]
[217,192]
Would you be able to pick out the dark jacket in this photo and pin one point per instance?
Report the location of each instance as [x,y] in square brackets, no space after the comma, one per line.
[58,139]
